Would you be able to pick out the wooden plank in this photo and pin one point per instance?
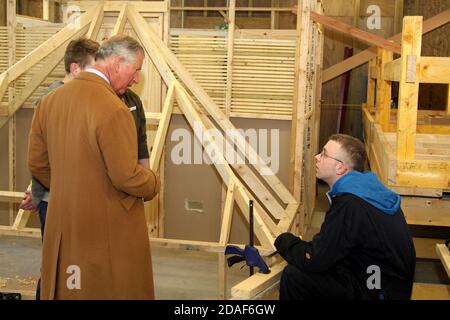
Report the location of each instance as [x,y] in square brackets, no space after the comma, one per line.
[194,245]
[444,254]
[24,232]
[371,83]
[355,32]
[426,247]
[205,138]
[383,91]
[45,9]
[121,20]
[218,8]
[257,283]
[222,276]
[426,211]
[227,215]
[423,173]
[11,196]
[152,117]
[370,53]
[161,133]
[116,6]
[434,70]
[96,23]
[429,291]
[208,104]
[230,53]
[299,102]
[408,92]
[398,16]
[11,24]
[392,70]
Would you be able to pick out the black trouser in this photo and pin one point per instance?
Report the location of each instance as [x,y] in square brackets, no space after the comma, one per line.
[298,285]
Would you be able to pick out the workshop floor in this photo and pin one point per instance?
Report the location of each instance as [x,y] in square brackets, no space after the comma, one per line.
[178,274]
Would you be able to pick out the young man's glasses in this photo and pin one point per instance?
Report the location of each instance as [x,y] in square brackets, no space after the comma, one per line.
[324,154]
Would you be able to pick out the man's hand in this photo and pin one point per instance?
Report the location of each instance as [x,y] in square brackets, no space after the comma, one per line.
[27,203]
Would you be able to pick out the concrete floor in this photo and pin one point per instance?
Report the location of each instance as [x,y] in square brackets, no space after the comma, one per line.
[178,274]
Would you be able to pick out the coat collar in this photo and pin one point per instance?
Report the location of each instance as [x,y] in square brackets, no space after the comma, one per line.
[95,78]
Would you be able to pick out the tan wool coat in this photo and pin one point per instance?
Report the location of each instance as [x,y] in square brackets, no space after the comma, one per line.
[83,146]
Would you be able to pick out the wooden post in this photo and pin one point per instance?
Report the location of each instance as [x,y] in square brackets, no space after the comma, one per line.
[370,100]
[274,15]
[409,88]
[45,10]
[230,47]
[227,217]
[398,16]
[383,107]
[299,103]
[11,24]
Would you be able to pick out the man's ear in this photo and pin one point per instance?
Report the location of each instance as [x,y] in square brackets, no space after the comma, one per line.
[341,169]
[117,63]
[74,69]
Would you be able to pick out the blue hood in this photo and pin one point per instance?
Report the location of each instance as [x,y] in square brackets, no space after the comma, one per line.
[367,187]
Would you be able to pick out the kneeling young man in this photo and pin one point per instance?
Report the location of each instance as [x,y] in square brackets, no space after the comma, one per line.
[364,249]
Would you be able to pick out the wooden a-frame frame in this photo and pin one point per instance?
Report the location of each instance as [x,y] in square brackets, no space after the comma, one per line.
[271,216]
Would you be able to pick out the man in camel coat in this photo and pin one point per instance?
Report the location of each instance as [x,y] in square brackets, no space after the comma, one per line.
[83,146]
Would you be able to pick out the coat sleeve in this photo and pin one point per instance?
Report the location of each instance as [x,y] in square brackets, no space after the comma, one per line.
[328,247]
[118,144]
[38,161]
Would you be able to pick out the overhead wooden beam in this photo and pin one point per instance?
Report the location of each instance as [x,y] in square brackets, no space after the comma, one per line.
[355,32]
[116,6]
[370,53]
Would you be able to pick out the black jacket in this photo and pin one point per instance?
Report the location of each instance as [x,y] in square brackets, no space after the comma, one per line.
[354,236]
[134,104]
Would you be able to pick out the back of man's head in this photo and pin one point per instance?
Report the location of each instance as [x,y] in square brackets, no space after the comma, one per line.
[354,150]
[120,45]
[81,51]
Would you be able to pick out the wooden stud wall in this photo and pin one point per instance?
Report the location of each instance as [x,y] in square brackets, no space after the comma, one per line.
[272,214]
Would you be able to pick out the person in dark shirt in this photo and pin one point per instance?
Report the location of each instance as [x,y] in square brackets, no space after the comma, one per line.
[364,249]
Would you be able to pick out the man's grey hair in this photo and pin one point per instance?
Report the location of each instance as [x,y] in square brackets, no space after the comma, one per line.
[119,45]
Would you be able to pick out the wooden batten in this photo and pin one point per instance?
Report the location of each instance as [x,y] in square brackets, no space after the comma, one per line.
[383,106]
